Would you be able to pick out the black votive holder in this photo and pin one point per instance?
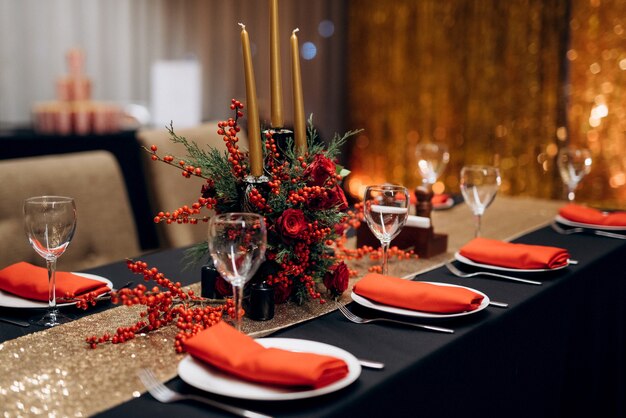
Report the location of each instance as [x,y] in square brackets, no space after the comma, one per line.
[261,306]
[282,137]
[208,276]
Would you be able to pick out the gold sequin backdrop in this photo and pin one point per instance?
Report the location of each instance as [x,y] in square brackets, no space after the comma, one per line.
[501,82]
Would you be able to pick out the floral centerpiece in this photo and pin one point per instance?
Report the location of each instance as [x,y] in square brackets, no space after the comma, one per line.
[302,203]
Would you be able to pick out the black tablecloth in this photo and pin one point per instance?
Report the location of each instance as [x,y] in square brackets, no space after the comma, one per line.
[21,143]
[557,351]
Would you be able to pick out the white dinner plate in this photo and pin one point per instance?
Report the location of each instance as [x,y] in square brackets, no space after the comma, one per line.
[420,314]
[465,260]
[567,222]
[9,300]
[210,379]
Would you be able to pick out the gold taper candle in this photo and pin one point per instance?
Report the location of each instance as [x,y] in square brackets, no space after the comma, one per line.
[299,122]
[275,78]
[254,128]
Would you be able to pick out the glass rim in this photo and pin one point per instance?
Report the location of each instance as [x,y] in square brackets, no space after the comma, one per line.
[574,148]
[480,167]
[441,145]
[228,217]
[49,198]
[385,187]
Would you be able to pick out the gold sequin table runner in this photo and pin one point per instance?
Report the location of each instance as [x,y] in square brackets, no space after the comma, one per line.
[54,373]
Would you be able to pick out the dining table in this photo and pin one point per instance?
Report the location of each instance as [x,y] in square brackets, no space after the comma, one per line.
[557,350]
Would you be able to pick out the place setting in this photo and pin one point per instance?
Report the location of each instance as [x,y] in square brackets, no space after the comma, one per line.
[50,223]
[224,361]
[392,298]
[514,262]
[578,219]
[574,164]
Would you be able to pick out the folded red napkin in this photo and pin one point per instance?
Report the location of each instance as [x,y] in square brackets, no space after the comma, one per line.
[418,296]
[584,214]
[31,282]
[440,199]
[437,199]
[227,349]
[518,256]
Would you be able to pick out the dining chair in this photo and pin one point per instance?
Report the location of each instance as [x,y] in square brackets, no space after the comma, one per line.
[105,230]
[169,189]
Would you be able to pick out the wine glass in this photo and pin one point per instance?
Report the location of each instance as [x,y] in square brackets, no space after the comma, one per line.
[237,244]
[432,159]
[50,223]
[386,208]
[574,164]
[479,185]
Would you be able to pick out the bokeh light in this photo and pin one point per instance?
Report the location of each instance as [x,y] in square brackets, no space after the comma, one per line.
[326,28]
[308,50]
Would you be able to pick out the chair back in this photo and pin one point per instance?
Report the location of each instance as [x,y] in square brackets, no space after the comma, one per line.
[105,230]
[169,189]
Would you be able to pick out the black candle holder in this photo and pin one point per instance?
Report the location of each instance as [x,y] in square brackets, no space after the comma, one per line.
[253,182]
[208,277]
[261,307]
[281,137]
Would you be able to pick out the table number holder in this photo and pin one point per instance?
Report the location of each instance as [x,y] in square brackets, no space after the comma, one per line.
[424,241]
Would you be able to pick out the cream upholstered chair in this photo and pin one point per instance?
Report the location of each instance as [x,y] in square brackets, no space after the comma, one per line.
[170,190]
[105,229]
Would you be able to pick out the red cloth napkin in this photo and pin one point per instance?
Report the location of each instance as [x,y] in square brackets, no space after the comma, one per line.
[440,199]
[418,296]
[31,282]
[586,215]
[227,349]
[519,256]
[437,199]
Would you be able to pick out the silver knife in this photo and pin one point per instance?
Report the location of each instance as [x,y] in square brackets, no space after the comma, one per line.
[371,364]
[15,322]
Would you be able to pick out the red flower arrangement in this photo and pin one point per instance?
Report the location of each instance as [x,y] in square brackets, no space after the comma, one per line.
[303,204]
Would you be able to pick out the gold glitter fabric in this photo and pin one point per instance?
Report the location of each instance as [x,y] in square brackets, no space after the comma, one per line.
[500,82]
[54,373]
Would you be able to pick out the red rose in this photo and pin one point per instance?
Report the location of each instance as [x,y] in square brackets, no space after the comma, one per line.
[340,228]
[282,293]
[222,287]
[338,198]
[335,197]
[291,224]
[319,170]
[337,278]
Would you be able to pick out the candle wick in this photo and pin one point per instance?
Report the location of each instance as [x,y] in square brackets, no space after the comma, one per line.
[242,25]
[295,30]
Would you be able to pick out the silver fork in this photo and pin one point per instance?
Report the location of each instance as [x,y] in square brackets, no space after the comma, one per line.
[358,320]
[577,230]
[166,395]
[460,273]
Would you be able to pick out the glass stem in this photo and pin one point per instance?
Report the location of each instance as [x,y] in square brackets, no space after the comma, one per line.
[52,268]
[478,222]
[385,247]
[238,298]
